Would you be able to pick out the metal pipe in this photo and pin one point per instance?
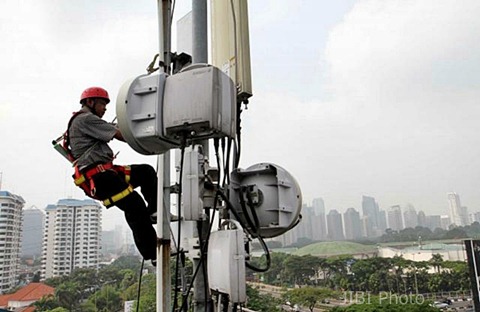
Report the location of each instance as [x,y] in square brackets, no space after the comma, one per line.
[163,175]
[199,31]
[201,294]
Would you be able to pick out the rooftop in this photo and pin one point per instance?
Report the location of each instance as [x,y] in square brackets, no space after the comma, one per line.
[11,195]
[32,291]
[70,202]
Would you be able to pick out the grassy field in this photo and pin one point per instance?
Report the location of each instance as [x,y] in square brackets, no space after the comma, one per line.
[327,249]
[335,248]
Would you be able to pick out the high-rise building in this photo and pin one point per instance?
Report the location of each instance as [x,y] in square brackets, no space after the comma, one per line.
[32,232]
[320,228]
[421,219]
[410,217]
[370,210]
[457,214]
[334,225]
[465,215]
[72,237]
[382,222]
[304,228]
[395,218]
[445,222]
[108,243]
[476,217]
[367,230]
[11,206]
[353,225]
[433,222]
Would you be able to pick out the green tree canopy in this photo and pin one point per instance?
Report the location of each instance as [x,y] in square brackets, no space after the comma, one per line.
[308,296]
[68,295]
[258,302]
[107,299]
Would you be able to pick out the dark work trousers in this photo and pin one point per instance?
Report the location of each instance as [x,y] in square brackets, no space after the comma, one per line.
[137,214]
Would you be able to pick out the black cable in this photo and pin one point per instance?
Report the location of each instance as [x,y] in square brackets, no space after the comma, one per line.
[267,256]
[217,156]
[215,144]
[179,213]
[227,164]
[254,229]
[252,208]
[224,166]
[140,284]
[202,255]
[239,130]
[203,250]
[260,238]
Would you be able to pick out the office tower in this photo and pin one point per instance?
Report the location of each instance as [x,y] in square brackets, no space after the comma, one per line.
[367,230]
[370,210]
[421,219]
[108,243]
[32,232]
[455,209]
[434,222]
[305,228]
[445,222]
[395,218]
[410,217]
[465,216]
[72,237]
[320,229]
[334,225]
[353,225]
[382,222]
[11,206]
[476,217]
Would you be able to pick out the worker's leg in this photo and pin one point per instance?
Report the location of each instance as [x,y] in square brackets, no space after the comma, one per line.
[109,183]
[138,219]
[145,177]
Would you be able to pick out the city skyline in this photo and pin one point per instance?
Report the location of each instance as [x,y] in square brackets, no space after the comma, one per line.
[383,206]
[371,221]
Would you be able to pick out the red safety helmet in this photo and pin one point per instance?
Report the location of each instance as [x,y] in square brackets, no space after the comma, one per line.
[95,92]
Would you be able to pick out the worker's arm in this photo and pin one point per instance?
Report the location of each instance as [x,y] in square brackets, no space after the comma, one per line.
[118,135]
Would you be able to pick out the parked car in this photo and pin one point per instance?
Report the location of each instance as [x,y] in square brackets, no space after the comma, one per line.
[440,305]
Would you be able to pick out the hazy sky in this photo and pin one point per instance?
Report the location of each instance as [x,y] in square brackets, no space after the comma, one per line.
[367,97]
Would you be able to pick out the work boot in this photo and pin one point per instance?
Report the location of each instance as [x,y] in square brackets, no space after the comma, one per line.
[153,218]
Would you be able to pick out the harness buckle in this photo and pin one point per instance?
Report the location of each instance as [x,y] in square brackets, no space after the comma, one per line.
[101,168]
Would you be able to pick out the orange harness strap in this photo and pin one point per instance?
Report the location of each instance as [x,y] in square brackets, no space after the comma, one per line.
[86,183]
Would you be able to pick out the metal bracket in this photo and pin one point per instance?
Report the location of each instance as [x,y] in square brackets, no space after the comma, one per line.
[174,189]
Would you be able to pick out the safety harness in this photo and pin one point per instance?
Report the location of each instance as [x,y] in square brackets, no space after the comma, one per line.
[85,180]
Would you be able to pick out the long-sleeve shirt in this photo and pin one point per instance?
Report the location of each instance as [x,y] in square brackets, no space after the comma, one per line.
[89,135]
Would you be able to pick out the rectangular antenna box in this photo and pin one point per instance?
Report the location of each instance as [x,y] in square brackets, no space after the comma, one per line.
[226,264]
[200,103]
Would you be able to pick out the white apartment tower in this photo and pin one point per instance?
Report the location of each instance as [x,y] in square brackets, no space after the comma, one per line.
[410,217]
[320,229]
[72,237]
[458,214]
[352,224]
[11,206]
[394,216]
